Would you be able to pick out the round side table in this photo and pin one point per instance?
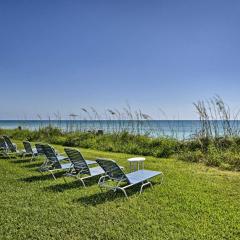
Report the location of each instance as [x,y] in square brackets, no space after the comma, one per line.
[136,163]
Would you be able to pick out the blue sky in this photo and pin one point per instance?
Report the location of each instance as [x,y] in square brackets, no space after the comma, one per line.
[64,55]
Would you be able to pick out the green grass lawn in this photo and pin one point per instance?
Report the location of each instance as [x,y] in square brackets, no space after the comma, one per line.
[195,202]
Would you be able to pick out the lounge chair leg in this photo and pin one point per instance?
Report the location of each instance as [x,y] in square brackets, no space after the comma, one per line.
[40,171]
[53,175]
[162,178]
[101,182]
[143,185]
[64,178]
[101,189]
[124,191]
[83,183]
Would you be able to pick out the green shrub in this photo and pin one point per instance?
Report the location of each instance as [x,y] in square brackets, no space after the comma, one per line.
[194,156]
[221,152]
[213,157]
[192,145]
[230,160]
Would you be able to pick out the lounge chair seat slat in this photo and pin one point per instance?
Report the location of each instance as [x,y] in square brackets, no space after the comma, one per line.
[61,158]
[96,171]
[66,166]
[90,162]
[141,175]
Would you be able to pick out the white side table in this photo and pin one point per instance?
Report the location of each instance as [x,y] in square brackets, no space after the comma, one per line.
[136,163]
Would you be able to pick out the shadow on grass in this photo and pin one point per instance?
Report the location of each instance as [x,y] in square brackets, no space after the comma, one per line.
[72,184]
[42,177]
[64,186]
[25,160]
[33,165]
[107,196]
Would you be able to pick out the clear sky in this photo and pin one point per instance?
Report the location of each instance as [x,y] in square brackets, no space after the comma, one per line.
[64,55]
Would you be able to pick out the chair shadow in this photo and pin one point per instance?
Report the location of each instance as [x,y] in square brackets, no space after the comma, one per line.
[72,184]
[41,177]
[107,196]
[64,186]
[33,165]
[20,160]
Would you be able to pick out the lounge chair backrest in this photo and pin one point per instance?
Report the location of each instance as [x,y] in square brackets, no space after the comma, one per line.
[39,148]
[3,145]
[27,147]
[51,155]
[112,170]
[9,143]
[78,161]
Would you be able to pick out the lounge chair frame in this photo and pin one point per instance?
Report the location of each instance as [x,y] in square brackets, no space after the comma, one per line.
[3,148]
[29,151]
[115,174]
[52,163]
[81,166]
[11,149]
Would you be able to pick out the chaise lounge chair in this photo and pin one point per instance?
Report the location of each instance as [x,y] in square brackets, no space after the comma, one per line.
[29,151]
[3,145]
[52,162]
[11,147]
[40,151]
[39,148]
[3,148]
[81,168]
[114,173]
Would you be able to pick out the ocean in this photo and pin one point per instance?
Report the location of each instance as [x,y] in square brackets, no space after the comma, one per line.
[180,129]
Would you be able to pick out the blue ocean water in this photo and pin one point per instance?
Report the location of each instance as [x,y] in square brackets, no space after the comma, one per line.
[172,128]
[179,129]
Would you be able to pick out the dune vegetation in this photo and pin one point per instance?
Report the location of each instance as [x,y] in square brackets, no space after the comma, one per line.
[222,151]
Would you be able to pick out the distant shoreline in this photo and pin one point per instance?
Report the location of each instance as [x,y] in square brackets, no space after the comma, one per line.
[180,129]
